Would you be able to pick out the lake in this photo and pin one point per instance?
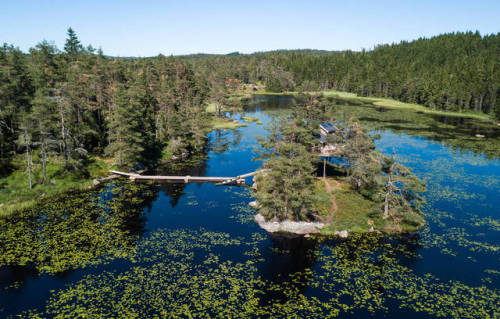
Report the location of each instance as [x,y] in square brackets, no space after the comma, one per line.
[174,250]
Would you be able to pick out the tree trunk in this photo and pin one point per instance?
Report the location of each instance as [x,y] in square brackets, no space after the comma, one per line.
[63,135]
[324,167]
[28,159]
[386,201]
[44,163]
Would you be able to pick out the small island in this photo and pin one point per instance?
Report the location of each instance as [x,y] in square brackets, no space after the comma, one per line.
[325,177]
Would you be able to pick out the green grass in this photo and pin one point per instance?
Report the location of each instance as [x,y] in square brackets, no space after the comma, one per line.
[322,202]
[355,213]
[391,103]
[387,103]
[225,123]
[14,188]
[250,119]
[210,108]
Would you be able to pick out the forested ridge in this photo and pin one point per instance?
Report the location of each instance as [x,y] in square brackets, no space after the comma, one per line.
[66,105]
[455,71]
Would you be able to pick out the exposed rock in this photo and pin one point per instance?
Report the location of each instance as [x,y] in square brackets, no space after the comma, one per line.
[254,204]
[372,229]
[341,234]
[254,186]
[288,226]
[98,181]
[480,135]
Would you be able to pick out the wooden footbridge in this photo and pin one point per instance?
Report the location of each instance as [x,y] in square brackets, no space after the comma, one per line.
[219,181]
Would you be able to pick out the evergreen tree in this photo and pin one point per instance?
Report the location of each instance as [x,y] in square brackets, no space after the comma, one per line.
[125,128]
[72,46]
[44,117]
[286,190]
[25,142]
[402,191]
[497,103]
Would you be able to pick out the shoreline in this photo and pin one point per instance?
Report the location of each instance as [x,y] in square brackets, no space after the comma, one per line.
[65,182]
[377,102]
[342,212]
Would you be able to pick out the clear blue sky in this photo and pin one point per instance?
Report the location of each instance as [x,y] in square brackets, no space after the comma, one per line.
[146,28]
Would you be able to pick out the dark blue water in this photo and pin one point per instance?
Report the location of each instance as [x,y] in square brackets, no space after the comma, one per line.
[439,272]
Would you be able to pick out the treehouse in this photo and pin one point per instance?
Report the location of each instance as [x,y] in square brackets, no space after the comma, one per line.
[330,152]
[327,128]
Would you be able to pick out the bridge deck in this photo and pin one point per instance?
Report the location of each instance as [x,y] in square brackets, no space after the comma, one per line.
[223,180]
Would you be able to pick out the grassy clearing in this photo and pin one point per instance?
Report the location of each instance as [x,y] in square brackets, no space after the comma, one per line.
[345,209]
[14,188]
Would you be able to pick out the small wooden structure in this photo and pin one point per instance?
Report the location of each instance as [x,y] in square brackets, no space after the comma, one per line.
[219,181]
[327,150]
[327,128]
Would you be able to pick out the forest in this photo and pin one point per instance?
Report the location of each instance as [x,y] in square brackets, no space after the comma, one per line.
[63,106]
[77,102]
[454,71]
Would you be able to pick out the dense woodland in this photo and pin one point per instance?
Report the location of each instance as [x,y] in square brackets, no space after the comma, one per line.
[65,105]
[456,71]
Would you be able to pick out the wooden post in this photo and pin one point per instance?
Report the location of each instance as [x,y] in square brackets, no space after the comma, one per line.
[324,167]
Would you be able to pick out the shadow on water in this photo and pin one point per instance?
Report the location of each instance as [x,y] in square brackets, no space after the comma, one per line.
[286,258]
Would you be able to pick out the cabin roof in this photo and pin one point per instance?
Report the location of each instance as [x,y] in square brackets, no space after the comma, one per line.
[328,127]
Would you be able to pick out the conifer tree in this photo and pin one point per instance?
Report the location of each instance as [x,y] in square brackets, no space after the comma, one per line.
[44,118]
[286,190]
[401,191]
[72,46]
[126,137]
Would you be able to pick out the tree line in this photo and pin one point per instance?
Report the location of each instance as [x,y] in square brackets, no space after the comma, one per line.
[455,71]
[67,104]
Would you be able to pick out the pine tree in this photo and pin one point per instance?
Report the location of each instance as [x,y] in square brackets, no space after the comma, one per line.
[402,191]
[286,190]
[72,46]
[497,103]
[25,142]
[44,117]
[125,129]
